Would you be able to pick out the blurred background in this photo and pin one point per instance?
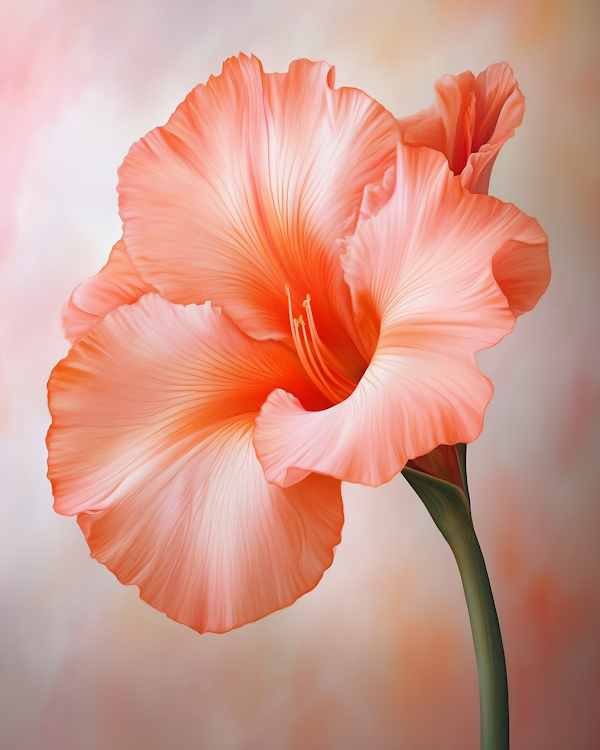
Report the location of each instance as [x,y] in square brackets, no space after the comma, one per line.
[379,655]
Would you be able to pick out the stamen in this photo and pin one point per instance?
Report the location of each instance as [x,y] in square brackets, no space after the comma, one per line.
[334,396]
[340,387]
[320,345]
[294,323]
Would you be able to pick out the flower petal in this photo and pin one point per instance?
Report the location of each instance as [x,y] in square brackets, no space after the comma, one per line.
[470,121]
[523,273]
[246,188]
[151,444]
[447,126]
[118,283]
[420,273]
[500,109]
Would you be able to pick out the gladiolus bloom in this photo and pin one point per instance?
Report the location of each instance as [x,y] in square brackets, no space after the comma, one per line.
[297,300]
[470,121]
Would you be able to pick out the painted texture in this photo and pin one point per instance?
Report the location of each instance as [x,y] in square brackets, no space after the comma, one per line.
[379,654]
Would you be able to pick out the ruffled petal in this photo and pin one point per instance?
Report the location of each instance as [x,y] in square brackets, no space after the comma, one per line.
[118,283]
[523,273]
[151,445]
[420,272]
[447,126]
[246,188]
[500,109]
[470,121]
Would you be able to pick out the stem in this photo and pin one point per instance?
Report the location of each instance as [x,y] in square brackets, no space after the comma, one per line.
[449,507]
[489,652]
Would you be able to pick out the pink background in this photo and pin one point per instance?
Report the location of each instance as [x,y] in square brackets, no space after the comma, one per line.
[379,655]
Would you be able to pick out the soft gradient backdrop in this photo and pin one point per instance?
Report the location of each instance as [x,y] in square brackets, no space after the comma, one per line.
[379,656]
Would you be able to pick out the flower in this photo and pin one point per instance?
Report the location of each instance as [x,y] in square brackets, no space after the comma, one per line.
[297,300]
[471,120]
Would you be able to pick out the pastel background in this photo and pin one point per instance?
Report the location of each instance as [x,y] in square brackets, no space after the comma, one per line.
[379,656]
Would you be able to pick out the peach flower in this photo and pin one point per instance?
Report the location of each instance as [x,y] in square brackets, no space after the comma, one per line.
[471,120]
[297,300]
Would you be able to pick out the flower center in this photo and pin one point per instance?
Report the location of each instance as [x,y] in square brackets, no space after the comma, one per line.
[315,356]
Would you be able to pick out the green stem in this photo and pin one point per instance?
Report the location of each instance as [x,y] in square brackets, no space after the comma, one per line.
[489,652]
[450,509]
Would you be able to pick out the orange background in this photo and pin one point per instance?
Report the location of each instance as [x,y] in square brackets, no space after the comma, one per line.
[380,654]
